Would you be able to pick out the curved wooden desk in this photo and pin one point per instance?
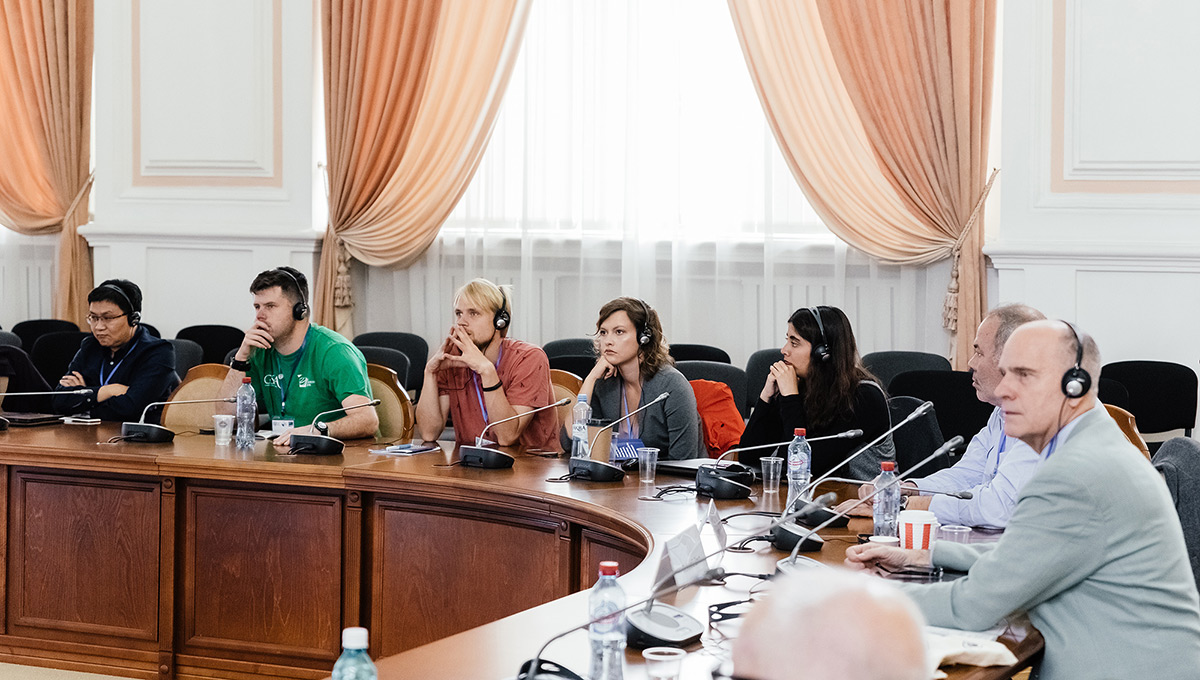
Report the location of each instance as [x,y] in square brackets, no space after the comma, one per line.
[192,561]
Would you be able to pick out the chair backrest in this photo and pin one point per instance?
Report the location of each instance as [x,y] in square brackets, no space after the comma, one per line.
[917,439]
[716,371]
[395,409]
[392,358]
[215,339]
[686,352]
[959,411]
[1128,425]
[10,339]
[1178,460]
[30,331]
[758,367]
[565,384]
[1162,394]
[187,354]
[152,330]
[1113,393]
[578,364]
[203,381]
[889,364]
[413,346]
[569,346]
[52,353]
[21,375]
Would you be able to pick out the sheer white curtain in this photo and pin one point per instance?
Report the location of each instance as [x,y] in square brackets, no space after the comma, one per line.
[632,157]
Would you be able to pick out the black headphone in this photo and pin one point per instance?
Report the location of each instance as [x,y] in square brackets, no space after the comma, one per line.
[1076,381]
[502,318]
[300,309]
[645,335]
[820,351]
[135,317]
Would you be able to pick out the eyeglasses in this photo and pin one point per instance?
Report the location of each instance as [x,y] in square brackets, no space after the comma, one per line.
[94,320]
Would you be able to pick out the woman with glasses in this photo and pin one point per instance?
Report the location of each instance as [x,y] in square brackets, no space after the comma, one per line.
[120,367]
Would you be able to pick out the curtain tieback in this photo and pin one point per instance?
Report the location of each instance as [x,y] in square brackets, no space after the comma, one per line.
[950,305]
[78,197]
[343,294]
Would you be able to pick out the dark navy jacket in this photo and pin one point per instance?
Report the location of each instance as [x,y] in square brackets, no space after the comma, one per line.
[146,365]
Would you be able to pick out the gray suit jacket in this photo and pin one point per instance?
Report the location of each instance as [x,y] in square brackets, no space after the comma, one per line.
[1095,554]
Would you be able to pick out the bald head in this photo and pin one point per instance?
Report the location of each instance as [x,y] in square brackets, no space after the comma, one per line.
[827,617]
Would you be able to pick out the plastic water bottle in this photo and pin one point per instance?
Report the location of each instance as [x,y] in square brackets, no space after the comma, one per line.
[247,413]
[580,415]
[354,663]
[607,635]
[799,468]
[887,501]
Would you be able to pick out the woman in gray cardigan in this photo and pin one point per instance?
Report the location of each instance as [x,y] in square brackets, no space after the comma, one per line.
[632,369]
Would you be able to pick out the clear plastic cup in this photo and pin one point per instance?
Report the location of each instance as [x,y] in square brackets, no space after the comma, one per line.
[647,461]
[663,663]
[772,470]
[223,429]
[955,533]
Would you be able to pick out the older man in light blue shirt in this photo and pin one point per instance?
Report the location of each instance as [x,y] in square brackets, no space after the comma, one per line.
[995,466]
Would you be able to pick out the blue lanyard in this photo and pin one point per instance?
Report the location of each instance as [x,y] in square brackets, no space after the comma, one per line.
[1053,445]
[479,385]
[285,384]
[999,450]
[629,427]
[104,381]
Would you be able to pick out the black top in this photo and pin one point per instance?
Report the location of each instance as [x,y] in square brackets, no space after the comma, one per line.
[146,365]
[776,420]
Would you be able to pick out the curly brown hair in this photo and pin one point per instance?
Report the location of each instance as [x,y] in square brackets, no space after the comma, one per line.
[655,353]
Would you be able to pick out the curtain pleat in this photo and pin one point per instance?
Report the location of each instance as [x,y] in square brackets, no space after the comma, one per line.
[45,130]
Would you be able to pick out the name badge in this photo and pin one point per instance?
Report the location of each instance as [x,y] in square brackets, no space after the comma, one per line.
[281,425]
[625,449]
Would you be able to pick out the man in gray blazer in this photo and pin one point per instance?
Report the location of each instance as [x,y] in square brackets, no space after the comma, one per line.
[1093,552]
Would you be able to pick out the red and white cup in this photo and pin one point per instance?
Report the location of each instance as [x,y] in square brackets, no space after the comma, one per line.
[917,529]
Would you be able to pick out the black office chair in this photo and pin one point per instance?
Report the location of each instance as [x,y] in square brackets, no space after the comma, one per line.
[1162,394]
[569,347]
[686,352]
[717,371]
[30,331]
[52,353]
[960,413]
[215,339]
[390,358]
[578,364]
[889,364]
[23,376]
[1113,393]
[758,367]
[10,339]
[917,439]
[1178,460]
[152,330]
[187,355]
[413,346]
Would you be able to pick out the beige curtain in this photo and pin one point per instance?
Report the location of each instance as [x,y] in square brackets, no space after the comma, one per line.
[45,130]
[411,91]
[882,111]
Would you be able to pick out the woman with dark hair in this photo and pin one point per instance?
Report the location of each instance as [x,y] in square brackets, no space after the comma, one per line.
[821,385]
[633,367]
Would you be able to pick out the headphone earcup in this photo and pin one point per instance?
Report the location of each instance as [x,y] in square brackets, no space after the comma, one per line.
[821,353]
[644,337]
[1076,382]
[299,310]
[135,318]
[501,320]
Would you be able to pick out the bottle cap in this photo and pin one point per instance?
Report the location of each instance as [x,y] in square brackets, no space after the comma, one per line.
[609,568]
[799,432]
[354,638]
[887,466]
[582,397]
[246,380]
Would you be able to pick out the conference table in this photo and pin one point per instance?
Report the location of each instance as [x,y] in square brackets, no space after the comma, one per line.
[191,560]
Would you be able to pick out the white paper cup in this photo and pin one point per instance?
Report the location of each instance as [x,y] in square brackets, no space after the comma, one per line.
[917,529]
[223,429]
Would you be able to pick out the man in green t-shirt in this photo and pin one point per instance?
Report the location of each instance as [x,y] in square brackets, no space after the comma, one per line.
[299,369]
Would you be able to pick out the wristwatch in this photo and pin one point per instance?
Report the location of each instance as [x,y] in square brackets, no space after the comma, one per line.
[236,365]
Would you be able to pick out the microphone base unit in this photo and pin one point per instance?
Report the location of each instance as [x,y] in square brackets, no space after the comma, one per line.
[731,482]
[785,536]
[316,445]
[595,470]
[146,433]
[661,626]
[3,424]
[814,515]
[484,457]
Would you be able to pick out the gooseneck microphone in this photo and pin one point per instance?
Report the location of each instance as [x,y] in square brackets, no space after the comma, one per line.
[320,444]
[964,495]
[784,534]
[4,421]
[532,669]
[848,434]
[483,456]
[602,471]
[144,432]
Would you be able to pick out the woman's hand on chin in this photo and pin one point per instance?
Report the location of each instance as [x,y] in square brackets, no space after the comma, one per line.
[784,376]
